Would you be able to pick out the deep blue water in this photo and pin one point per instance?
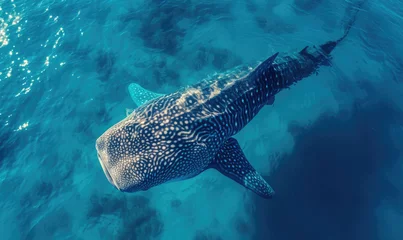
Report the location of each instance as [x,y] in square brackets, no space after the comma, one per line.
[331,146]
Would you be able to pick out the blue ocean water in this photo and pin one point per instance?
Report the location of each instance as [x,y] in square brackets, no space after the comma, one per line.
[331,146]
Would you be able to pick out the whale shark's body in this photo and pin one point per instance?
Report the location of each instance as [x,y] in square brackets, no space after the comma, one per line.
[180,135]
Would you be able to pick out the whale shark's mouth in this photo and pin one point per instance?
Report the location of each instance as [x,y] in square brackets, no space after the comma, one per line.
[108,176]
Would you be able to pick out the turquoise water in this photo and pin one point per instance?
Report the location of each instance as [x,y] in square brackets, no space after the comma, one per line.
[331,146]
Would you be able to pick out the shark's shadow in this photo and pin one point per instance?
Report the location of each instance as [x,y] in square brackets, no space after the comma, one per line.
[332,183]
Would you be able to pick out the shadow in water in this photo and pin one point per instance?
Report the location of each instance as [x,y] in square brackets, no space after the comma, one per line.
[332,183]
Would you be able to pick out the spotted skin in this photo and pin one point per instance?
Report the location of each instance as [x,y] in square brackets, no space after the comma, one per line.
[231,161]
[177,136]
[139,96]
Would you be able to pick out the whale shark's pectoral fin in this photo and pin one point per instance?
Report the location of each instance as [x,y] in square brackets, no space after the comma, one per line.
[140,95]
[232,162]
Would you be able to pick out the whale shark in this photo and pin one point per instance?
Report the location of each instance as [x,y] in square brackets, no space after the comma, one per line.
[177,136]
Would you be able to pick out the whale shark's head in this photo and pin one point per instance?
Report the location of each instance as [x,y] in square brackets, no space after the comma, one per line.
[122,161]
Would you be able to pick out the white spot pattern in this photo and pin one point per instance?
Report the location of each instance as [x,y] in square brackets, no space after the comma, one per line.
[179,135]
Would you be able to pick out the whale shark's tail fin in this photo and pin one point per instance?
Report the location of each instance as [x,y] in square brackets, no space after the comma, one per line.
[351,16]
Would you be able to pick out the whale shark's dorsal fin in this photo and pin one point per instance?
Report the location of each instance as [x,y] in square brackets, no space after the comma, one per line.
[232,162]
[303,50]
[265,64]
[141,95]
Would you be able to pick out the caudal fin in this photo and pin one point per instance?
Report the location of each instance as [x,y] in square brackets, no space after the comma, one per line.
[351,15]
